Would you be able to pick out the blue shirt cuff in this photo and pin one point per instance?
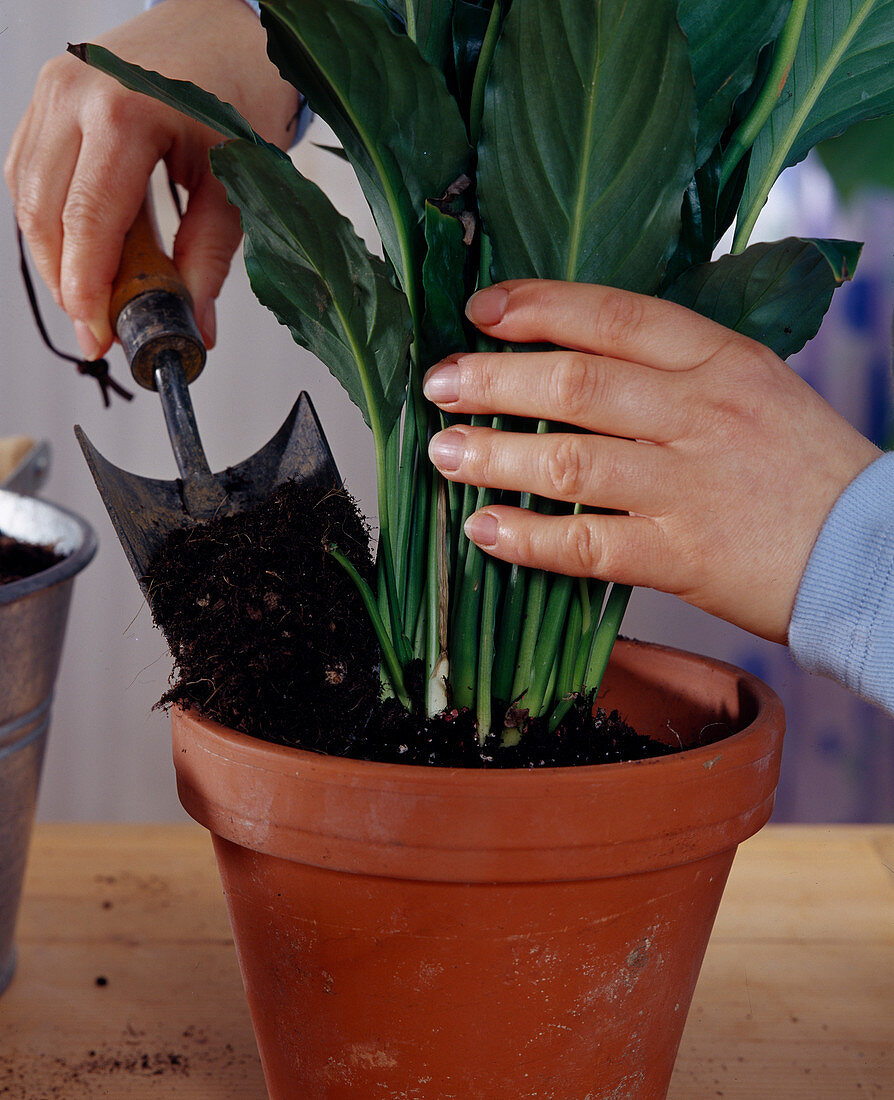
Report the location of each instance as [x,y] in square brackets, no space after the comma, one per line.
[843,621]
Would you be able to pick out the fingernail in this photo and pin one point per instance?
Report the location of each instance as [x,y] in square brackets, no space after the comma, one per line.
[441,384]
[87,342]
[486,307]
[482,528]
[446,450]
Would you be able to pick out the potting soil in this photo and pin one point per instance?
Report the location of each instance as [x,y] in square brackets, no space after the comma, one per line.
[23,559]
[270,638]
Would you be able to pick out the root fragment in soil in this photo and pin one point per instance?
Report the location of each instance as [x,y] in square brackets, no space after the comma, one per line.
[270,637]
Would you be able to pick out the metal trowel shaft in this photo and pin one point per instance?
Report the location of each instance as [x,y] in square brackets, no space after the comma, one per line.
[151,311]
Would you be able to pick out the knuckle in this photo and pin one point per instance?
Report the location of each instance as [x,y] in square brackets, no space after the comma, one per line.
[82,214]
[112,115]
[582,551]
[482,458]
[565,469]
[57,75]
[115,111]
[574,384]
[31,211]
[736,414]
[620,316]
[480,379]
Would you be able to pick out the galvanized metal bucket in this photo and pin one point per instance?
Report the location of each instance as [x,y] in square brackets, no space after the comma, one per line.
[33,614]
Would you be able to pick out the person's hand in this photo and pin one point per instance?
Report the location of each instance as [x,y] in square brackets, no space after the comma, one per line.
[726,461]
[81,158]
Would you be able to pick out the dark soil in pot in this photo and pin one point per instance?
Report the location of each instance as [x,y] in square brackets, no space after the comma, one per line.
[270,638]
[23,559]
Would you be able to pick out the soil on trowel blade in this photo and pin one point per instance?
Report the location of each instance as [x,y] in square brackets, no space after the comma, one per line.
[23,559]
[270,637]
[266,629]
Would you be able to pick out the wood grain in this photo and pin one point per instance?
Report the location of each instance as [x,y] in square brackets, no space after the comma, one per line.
[128,987]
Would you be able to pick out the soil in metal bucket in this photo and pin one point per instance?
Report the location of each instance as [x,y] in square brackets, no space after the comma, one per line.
[23,559]
[270,638]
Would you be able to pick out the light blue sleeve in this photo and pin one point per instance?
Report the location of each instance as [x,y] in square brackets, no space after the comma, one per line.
[843,621]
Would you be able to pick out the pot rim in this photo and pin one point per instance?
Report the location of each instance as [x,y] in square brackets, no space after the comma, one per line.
[497,825]
[766,703]
[58,526]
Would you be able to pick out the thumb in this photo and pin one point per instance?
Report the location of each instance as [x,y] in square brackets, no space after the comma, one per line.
[208,235]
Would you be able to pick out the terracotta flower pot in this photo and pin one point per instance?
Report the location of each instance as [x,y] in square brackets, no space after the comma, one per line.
[434,933]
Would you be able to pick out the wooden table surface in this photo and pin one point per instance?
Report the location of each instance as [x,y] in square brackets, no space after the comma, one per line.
[127,984]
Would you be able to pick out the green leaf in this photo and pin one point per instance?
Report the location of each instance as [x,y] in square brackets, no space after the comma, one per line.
[307,265]
[709,207]
[390,109]
[725,40]
[428,24]
[842,73]
[698,231]
[179,94]
[470,21]
[395,10]
[443,281]
[862,157]
[777,293]
[587,142]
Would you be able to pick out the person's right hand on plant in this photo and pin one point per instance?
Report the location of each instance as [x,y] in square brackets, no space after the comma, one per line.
[720,463]
[82,155]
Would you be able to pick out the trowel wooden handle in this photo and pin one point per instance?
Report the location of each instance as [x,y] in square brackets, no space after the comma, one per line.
[151,309]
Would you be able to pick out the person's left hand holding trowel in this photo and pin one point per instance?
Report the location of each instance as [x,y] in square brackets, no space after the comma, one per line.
[82,155]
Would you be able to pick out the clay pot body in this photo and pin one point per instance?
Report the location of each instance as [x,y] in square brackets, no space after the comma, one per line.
[440,934]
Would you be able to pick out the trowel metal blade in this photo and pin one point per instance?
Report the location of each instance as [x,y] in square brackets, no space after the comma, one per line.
[145,510]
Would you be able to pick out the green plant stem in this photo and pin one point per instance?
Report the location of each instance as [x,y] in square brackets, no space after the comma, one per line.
[752,124]
[550,641]
[401,454]
[605,636]
[549,644]
[473,498]
[485,57]
[417,565]
[591,598]
[436,605]
[392,663]
[387,584]
[466,626]
[395,627]
[536,599]
[511,619]
[570,646]
[484,687]
[410,13]
[470,602]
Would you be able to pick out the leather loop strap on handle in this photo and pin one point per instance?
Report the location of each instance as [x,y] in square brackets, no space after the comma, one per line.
[150,308]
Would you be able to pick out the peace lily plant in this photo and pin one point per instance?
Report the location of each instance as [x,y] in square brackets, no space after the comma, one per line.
[608,141]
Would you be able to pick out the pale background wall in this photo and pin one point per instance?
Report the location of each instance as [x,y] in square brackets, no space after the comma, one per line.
[108,755]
